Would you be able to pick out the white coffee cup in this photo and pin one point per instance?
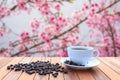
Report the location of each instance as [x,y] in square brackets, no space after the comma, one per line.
[81,54]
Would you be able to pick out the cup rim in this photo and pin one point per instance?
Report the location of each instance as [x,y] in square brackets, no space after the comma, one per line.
[86,47]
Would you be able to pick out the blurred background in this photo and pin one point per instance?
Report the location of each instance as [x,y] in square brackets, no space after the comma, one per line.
[19,21]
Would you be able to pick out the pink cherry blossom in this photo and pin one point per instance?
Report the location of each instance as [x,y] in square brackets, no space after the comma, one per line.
[39,2]
[61,22]
[21,47]
[21,4]
[53,32]
[57,7]
[35,24]
[44,9]
[62,53]
[45,38]
[56,25]
[52,19]
[6,54]
[26,54]
[4,11]
[24,36]
[92,20]
[75,19]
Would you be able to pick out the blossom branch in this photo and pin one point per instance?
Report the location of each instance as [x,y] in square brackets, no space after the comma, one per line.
[65,32]
[113,38]
[47,50]
[30,1]
[3,23]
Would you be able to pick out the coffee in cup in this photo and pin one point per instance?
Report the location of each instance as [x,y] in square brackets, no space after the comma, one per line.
[81,54]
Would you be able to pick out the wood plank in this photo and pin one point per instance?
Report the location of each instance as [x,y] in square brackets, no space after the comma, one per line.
[85,75]
[98,74]
[118,58]
[14,75]
[112,65]
[4,71]
[60,76]
[71,75]
[42,77]
[26,76]
[1,58]
[114,61]
[4,61]
[108,71]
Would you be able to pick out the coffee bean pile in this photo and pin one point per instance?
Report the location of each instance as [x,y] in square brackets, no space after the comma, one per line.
[72,63]
[40,67]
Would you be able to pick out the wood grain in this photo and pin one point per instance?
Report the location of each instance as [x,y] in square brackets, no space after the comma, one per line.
[26,76]
[4,61]
[85,75]
[60,75]
[4,71]
[14,75]
[98,74]
[111,65]
[108,71]
[118,58]
[114,61]
[72,75]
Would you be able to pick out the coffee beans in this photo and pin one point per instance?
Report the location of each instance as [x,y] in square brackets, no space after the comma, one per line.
[55,74]
[40,67]
[72,63]
[8,67]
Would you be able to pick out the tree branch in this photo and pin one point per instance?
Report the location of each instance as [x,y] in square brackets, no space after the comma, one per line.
[47,50]
[3,23]
[113,39]
[55,37]
[59,1]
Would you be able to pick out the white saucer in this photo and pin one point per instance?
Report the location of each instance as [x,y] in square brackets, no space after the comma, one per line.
[92,63]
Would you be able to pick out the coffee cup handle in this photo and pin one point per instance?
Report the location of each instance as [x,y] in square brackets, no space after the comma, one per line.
[96,53]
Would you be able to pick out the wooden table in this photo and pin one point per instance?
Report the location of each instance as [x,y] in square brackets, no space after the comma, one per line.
[109,69]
